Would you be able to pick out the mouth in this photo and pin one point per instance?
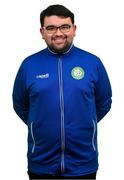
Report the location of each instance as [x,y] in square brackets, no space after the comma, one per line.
[59,40]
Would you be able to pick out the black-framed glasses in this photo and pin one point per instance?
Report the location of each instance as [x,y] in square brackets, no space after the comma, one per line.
[53,29]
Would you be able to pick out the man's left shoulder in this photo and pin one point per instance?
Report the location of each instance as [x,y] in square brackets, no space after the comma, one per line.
[88,55]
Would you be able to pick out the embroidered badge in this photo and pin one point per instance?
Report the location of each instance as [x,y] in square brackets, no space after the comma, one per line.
[77,73]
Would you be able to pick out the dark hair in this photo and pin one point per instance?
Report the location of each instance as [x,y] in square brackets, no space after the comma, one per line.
[57,10]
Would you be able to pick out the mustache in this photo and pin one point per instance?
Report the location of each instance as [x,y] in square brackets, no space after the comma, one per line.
[57,36]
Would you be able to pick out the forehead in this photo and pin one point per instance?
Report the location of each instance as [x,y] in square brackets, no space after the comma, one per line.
[56,20]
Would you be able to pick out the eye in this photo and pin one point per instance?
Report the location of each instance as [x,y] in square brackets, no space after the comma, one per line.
[65,27]
[51,28]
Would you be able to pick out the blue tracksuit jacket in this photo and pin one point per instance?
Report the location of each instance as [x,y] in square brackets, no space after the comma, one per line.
[61,98]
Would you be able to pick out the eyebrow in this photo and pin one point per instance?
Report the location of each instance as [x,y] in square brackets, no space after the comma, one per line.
[58,26]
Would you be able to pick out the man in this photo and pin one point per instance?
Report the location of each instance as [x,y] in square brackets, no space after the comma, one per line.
[61,93]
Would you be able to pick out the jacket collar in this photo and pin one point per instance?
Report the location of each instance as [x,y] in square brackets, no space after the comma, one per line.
[63,54]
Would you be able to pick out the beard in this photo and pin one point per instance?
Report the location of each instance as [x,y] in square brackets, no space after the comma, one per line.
[59,44]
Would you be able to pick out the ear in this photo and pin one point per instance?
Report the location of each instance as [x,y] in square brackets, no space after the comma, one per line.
[42,32]
[74,28]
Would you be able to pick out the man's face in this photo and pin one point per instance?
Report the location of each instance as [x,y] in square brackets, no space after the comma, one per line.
[60,39]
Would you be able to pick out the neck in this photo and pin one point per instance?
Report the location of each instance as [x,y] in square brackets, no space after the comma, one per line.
[65,51]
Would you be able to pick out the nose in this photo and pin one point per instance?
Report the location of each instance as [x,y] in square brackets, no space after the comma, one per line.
[58,32]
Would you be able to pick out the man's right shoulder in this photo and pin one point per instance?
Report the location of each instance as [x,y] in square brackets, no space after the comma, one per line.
[34,57]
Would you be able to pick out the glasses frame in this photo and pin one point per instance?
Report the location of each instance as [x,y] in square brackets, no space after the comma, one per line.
[58,27]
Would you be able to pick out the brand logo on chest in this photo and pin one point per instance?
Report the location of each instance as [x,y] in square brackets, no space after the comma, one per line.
[42,76]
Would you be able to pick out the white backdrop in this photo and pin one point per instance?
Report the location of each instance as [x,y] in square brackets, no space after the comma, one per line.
[100,30]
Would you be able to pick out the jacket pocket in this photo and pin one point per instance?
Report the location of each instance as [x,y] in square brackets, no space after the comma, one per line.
[94,135]
[33,138]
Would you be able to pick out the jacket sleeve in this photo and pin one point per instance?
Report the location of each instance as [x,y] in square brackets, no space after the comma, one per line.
[103,92]
[20,96]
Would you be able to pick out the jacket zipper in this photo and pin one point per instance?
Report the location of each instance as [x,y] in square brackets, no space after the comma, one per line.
[32,135]
[62,114]
[93,136]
